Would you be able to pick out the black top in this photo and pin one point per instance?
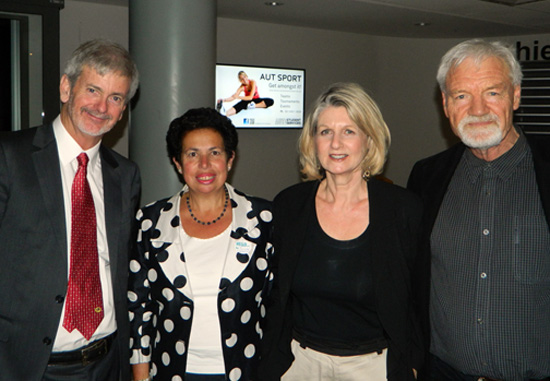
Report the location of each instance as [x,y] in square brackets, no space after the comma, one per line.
[394,219]
[333,289]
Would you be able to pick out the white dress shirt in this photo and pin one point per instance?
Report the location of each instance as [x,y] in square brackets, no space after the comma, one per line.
[68,150]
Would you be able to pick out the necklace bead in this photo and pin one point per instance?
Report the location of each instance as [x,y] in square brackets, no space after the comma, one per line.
[208,222]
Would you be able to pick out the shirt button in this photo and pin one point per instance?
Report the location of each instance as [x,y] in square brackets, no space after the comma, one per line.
[483,275]
[485,231]
[479,321]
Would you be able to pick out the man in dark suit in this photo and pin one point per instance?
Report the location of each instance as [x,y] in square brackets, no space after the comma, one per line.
[67,206]
[484,277]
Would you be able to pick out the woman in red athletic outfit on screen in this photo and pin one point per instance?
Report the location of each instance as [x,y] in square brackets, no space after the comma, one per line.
[250,99]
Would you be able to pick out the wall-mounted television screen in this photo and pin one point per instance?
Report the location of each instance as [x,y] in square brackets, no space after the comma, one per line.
[261,97]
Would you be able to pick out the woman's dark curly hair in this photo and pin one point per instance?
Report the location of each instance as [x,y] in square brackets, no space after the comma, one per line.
[195,119]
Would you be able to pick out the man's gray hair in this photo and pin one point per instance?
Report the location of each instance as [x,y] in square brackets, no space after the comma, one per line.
[479,50]
[103,56]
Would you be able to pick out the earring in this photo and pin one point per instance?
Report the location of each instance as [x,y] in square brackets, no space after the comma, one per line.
[228,168]
[366,175]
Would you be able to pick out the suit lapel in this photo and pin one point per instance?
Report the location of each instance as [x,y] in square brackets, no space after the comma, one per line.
[113,204]
[243,230]
[299,214]
[436,184]
[381,213]
[173,267]
[382,216]
[46,163]
[541,160]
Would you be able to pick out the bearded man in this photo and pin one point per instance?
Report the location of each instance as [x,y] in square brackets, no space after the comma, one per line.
[484,276]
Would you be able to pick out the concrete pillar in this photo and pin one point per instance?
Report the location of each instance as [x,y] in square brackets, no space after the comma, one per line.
[174,45]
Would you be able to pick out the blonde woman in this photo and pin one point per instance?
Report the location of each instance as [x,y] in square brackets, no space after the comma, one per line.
[341,305]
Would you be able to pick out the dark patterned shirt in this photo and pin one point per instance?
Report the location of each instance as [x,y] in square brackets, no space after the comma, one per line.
[490,289]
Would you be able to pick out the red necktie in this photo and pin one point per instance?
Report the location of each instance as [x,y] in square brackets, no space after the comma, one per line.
[84,302]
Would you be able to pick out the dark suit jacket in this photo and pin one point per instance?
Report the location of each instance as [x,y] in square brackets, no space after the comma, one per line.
[394,218]
[430,179]
[33,248]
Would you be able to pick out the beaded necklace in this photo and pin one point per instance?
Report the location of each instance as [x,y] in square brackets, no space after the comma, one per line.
[209,222]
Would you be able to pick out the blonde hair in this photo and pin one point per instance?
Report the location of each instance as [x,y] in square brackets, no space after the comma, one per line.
[363,111]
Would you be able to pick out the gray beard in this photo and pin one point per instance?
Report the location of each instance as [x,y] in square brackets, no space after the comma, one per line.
[492,134]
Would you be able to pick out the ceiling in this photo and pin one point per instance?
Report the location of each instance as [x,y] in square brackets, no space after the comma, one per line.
[396,18]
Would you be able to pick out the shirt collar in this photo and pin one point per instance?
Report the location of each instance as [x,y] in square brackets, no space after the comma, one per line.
[502,166]
[68,148]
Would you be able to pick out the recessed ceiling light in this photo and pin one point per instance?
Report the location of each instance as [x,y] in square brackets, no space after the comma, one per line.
[273,3]
[422,24]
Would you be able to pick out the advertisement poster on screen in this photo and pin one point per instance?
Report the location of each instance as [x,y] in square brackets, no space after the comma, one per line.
[277,101]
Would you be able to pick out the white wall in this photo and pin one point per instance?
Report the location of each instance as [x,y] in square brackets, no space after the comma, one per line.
[399,73]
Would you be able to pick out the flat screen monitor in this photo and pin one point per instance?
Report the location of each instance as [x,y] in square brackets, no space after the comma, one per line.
[273,97]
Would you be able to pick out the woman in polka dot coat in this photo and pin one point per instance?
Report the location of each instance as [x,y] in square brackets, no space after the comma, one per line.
[163,294]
